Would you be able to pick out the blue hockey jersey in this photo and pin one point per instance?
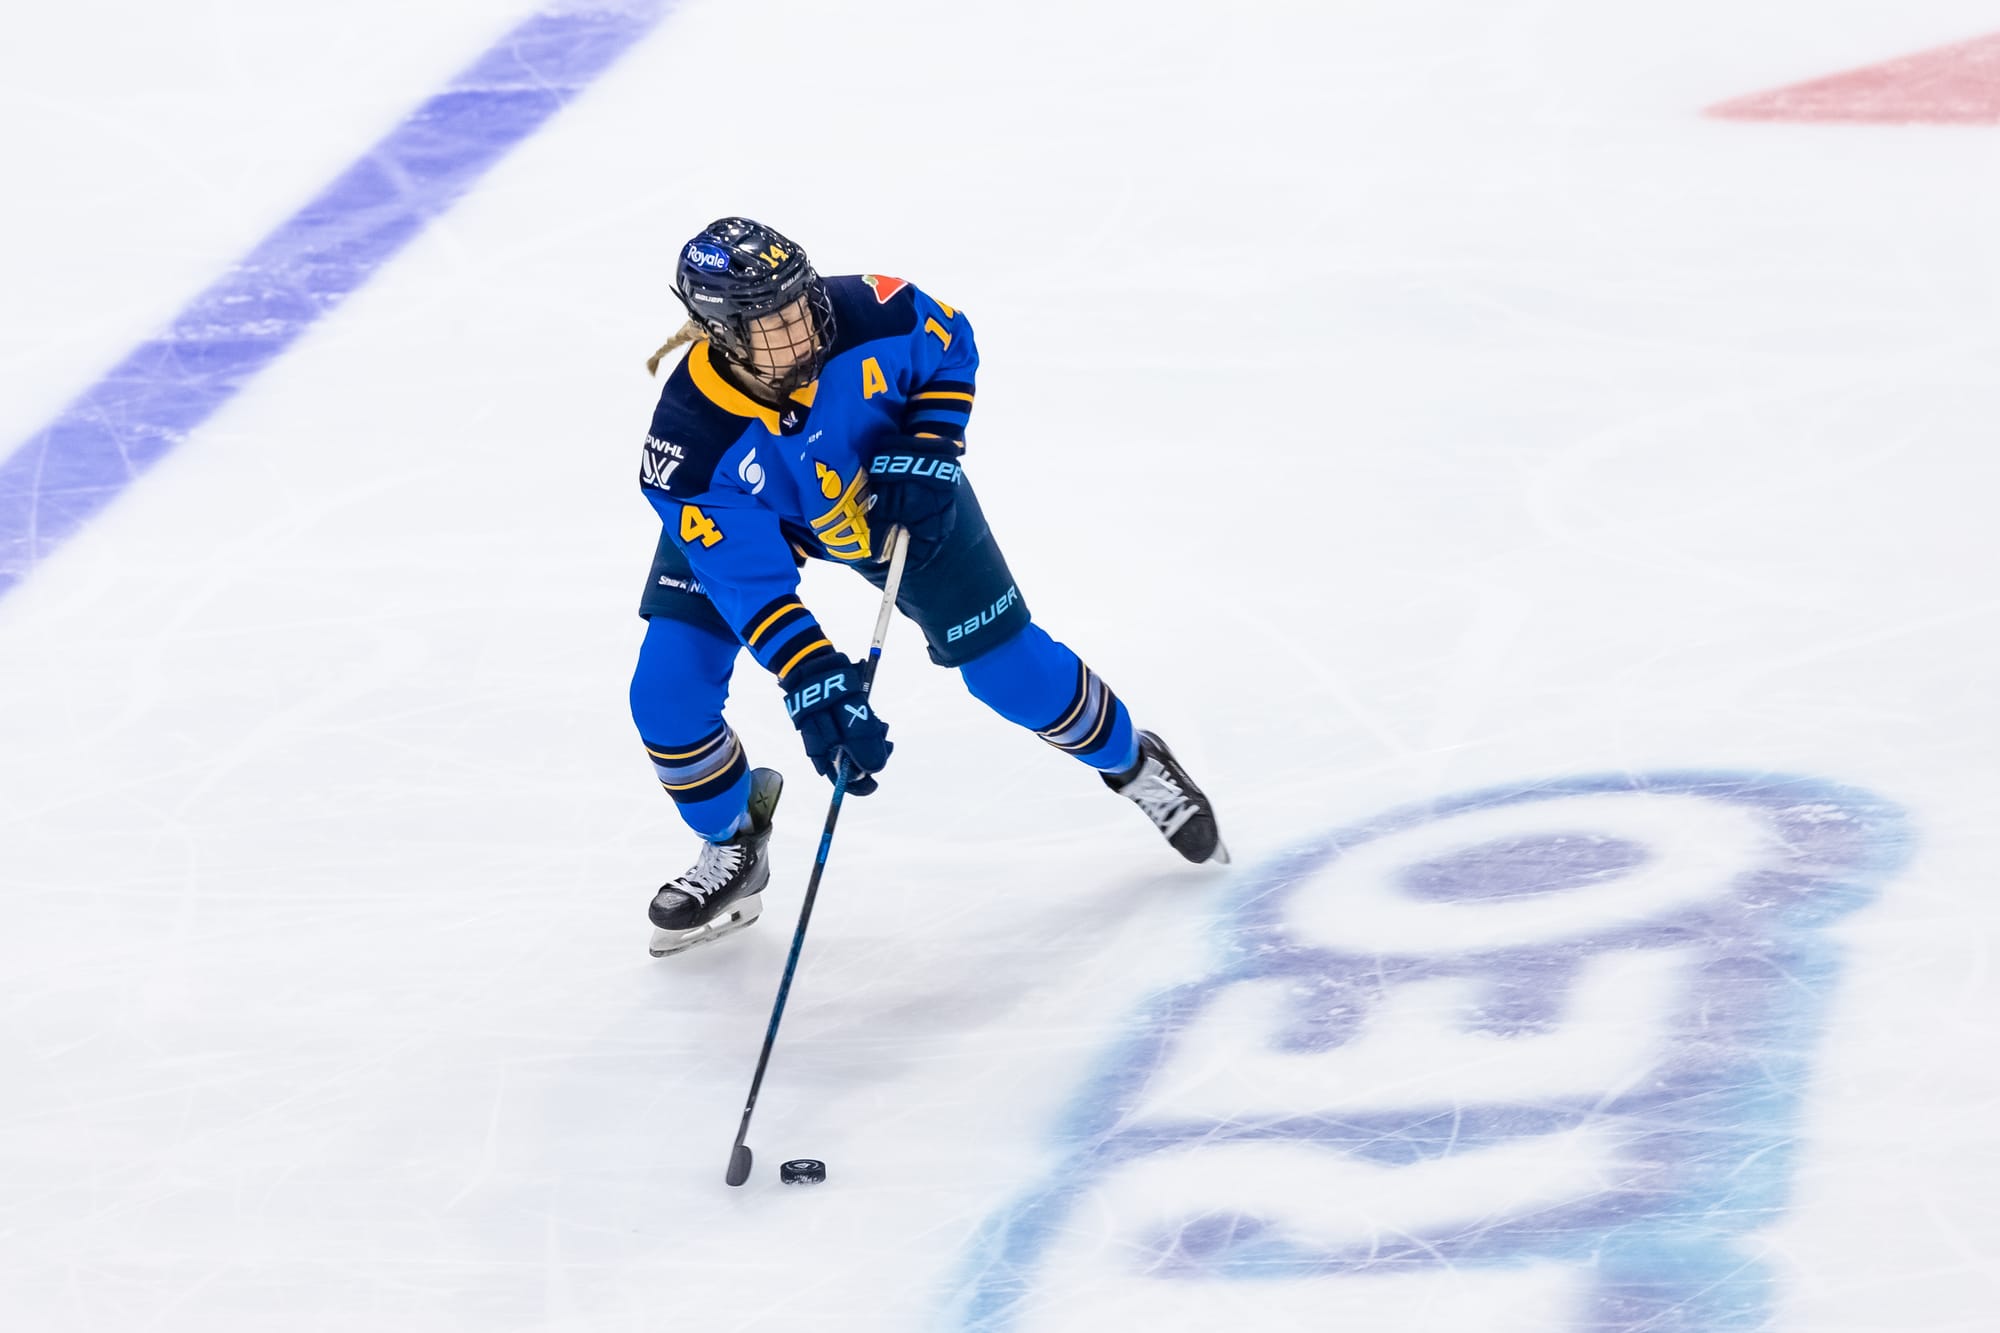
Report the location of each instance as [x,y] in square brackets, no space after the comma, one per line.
[743,487]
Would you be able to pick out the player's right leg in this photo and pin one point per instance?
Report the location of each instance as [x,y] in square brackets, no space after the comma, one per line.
[678,690]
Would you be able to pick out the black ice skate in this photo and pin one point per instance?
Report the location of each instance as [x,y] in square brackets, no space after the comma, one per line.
[723,892]
[1161,787]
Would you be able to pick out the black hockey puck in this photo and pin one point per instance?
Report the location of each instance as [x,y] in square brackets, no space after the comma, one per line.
[802,1171]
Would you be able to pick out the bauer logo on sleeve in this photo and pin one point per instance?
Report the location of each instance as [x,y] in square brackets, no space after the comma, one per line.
[708,258]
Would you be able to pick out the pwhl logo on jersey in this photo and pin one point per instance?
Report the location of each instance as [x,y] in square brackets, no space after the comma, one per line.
[656,466]
[1528,1058]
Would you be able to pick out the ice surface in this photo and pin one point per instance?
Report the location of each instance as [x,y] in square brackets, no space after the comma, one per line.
[1553,523]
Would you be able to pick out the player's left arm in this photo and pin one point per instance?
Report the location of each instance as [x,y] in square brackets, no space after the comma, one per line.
[944,365]
[915,474]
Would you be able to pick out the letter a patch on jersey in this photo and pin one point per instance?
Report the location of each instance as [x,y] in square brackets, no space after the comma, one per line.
[884,288]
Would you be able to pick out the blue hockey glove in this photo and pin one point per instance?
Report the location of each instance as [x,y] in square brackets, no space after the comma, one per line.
[915,483]
[835,720]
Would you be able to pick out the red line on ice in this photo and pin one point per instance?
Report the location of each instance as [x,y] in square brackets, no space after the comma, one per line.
[1951,85]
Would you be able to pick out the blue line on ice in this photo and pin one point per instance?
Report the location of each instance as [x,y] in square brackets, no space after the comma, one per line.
[67,472]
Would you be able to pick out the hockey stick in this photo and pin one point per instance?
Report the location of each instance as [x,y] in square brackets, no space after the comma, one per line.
[739,1154]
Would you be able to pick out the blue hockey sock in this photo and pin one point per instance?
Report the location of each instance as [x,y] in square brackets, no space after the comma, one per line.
[678,689]
[717,799]
[1038,683]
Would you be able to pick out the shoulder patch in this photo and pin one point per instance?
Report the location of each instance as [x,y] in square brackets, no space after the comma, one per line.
[662,459]
[884,288]
[687,440]
[868,307]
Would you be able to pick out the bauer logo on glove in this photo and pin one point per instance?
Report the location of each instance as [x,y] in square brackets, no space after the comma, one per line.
[851,732]
[817,693]
[915,479]
[916,466]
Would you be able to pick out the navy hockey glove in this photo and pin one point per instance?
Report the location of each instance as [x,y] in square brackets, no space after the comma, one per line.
[915,483]
[835,720]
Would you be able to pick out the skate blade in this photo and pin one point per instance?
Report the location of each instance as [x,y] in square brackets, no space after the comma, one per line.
[667,943]
[1220,856]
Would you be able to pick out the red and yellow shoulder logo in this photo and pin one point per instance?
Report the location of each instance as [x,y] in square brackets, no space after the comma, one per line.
[884,288]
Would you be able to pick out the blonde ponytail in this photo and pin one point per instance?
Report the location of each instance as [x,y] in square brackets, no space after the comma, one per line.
[688,333]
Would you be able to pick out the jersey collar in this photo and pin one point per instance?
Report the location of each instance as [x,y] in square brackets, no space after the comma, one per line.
[715,387]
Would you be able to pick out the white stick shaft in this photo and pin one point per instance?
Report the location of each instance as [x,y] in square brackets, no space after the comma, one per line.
[899,550]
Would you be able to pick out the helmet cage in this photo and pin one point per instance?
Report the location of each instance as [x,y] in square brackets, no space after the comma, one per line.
[736,273]
[742,341]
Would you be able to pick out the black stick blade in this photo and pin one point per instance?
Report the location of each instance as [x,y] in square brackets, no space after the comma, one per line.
[739,1164]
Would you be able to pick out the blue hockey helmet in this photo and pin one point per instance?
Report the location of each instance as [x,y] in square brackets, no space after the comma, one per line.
[736,271]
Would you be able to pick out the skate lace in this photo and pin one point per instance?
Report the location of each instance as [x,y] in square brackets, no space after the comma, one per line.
[713,869]
[1155,792]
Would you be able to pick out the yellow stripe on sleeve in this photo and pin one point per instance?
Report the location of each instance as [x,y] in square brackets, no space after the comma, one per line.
[778,614]
[803,654]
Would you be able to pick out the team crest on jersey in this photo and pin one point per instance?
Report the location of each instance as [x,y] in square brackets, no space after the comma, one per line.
[884,288]
[843,529]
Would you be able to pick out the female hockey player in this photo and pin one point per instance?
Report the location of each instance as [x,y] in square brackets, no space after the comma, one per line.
[809,417]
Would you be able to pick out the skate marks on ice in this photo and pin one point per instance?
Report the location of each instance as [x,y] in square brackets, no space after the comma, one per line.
[1528,1058]
[168,385]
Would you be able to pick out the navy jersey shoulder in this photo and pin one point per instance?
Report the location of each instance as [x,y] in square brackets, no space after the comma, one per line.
[868,307]
[688,438]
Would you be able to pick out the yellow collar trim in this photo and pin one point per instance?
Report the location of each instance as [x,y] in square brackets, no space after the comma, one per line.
[717,389]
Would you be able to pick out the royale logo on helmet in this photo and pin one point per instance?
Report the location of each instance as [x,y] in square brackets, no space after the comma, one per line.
[708,258]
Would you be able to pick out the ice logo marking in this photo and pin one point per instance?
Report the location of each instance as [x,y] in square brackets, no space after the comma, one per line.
[1529,1058]
[708,258]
